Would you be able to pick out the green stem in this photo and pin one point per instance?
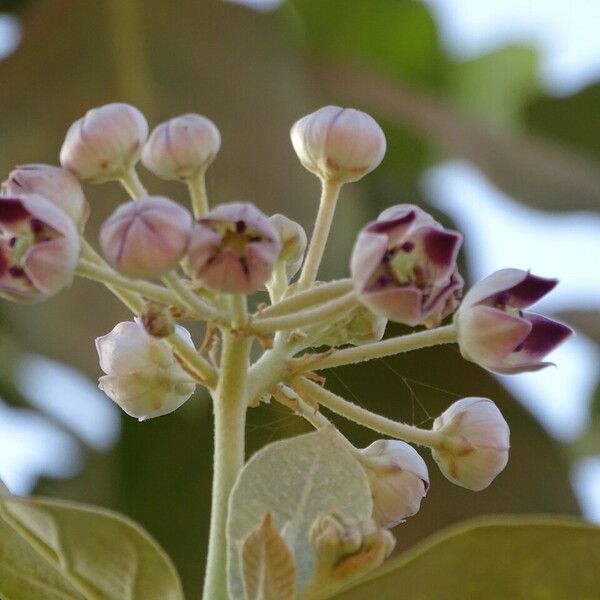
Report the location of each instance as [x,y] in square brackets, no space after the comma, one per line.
[279,281]
[230,418]
[199,367]
[130,299]
[352,412]
[308,298]
[189,299]
[239,310]
[197,187]
[329,310]
[389,347]
[151,291]
[329,196]
[132,184]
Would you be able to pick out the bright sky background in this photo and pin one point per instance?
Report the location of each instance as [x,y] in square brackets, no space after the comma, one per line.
[567,35]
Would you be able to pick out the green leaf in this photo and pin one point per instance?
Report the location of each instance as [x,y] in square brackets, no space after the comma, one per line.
[494,558]
[495,87]
[295,480]
[56,550]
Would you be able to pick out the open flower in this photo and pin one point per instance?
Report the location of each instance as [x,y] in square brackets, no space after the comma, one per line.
[476,443]
[233,248]
[404,267]
[398,478]
[55,184]
[39,248]
[494,332]
[142,374]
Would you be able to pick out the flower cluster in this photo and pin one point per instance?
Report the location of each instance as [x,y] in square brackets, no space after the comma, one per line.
[169,264]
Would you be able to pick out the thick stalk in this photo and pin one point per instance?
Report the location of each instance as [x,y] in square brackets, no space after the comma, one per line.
[352,412]
[132,184]
[329,310]
[389,347]
[197,187]
[230,418]
[329,196]
[189,299]
[308,298]
[151,291]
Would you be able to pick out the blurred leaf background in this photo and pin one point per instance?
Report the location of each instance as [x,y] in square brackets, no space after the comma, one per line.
[254,73]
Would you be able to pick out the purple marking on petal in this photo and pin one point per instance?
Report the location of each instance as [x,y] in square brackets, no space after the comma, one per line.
[36,225]
[441,246]
[240,226]
[545,335]
[391,224]
[530,290]
[11,210]
[12,242]
[407,247]
[16,271]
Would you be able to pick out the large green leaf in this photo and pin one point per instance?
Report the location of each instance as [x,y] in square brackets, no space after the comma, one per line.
[494,558]
[295,481]
[53,550]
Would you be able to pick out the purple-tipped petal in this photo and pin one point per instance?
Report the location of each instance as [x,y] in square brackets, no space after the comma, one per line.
[441,247]
[530,290]
[492,285]
[369,250]
[487,335]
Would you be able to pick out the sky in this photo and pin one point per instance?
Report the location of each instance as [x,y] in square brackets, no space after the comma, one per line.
[566,35]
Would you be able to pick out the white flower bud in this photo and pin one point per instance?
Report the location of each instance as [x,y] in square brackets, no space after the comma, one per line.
[398,478]
[142,374]
[146,237]
[293,243]
[181,147]
[476,443]
[55,184]
[338,144]
[105,143]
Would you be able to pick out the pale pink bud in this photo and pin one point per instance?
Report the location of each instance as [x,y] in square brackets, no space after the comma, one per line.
[233,248]
[494,331]
[181,147]
[142,374]
[39,248]
[404,267]
[146,237]
[476,443]
[338,144]
[55,184]
[105,143]
[293,243]
[398,478]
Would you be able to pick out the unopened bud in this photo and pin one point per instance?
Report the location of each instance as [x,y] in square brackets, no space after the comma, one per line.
[398,478]
[105,143]
[361,326]
[157,320]
[181,147]
[476,443]
[233,248]
[146,237]
[142,374]
[293,243]
[55,184]
[338,144]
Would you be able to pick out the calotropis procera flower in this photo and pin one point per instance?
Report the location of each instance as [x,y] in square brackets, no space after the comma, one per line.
[475,448]
[146,237]
[404,267]
[293,243]
[181,147]
[39,248]
[142,374]
[233,248]
[55,184]
[338,144]
[398,478]
[494,332]
[105,143]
